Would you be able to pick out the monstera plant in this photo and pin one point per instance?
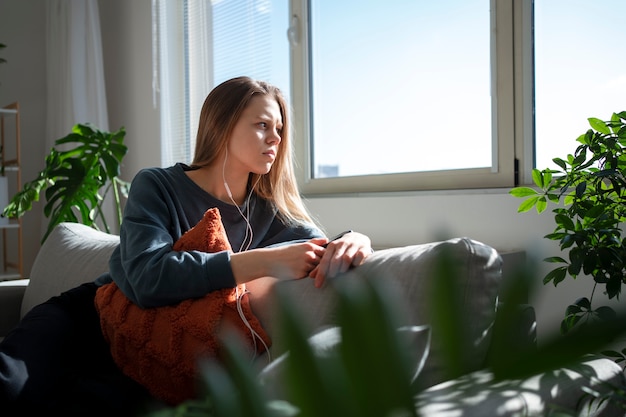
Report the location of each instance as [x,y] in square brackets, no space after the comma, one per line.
[588,191]
[76,180]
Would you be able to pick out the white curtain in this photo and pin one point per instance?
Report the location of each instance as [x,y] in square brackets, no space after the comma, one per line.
[75,74]
[75,71]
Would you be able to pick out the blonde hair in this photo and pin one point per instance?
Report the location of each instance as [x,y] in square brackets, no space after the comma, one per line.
[220,112]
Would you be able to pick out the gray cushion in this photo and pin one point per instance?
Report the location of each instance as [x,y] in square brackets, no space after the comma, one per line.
[408,273]
[325,344]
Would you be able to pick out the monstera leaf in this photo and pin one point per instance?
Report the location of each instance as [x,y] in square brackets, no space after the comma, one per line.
[76,179]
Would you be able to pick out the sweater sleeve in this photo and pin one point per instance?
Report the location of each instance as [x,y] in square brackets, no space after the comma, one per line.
[145,266]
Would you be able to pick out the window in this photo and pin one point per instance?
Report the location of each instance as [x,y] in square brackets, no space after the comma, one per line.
[402,95]
[394,82]
[580,70]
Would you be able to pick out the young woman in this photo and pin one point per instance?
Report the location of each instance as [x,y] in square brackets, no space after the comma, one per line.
[243,166]
[57,359]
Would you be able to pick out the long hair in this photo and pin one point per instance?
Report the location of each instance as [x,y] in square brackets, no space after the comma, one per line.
[220,112]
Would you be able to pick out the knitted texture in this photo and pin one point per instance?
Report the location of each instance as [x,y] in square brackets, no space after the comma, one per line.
[160,347]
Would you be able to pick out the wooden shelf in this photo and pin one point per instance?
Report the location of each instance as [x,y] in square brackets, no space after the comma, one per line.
[12,265]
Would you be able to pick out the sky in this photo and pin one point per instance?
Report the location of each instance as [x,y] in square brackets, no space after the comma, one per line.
[403,85]
[581,70]
[401,88]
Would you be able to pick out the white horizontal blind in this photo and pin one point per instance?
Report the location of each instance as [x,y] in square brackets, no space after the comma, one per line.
[171,66]
[203,43]
[198,64]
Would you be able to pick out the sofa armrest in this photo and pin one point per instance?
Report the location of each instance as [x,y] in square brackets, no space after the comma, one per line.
[11,295]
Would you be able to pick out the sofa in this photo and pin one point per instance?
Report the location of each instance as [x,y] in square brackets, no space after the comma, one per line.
[74,253]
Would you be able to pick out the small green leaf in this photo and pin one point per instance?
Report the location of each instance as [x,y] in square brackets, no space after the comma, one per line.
[573,309]
[556,275]
[569,322]
[561,163]
[541,204]
[553,197]
[523,192]
[547,178]
[605,313]
[527,204]
[584,302]
[537,178]
[564,221]
[580,189]
[599,125]
[555,259]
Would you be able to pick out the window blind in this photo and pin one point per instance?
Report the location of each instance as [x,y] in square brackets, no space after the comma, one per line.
[202,43]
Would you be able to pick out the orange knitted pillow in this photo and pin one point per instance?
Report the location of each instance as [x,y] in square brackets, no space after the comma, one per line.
[160,347]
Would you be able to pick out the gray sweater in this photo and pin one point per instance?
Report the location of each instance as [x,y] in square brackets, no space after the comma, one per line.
[164,203]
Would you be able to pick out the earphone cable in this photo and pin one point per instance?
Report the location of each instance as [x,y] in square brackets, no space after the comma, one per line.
[248,237]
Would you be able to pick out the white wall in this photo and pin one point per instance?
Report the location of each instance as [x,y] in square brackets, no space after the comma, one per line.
[489,216]
[390,219]
[127,49]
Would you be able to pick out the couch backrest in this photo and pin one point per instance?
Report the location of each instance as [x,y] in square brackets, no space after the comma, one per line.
[71,255]
[408,273]
[75,253]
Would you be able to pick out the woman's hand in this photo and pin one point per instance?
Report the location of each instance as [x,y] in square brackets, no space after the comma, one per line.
[340,255]
[292,261]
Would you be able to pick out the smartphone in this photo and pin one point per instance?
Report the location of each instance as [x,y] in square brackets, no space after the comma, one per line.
[339,236]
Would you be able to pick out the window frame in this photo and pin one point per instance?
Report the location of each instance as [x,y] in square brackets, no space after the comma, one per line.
[512,84]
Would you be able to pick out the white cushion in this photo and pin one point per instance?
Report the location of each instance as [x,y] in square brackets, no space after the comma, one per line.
[71,255]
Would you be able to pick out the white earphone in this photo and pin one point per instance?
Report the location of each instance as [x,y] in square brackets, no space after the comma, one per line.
[249,233]
[230,194]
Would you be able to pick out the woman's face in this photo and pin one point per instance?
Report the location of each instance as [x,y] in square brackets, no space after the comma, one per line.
[256,137]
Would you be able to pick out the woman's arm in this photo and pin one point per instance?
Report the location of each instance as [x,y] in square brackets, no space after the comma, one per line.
[291,261]
[145,266]
[152,274]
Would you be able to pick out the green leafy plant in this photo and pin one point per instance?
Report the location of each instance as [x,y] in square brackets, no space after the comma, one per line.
[589,189]
[367,376]
[77,180]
